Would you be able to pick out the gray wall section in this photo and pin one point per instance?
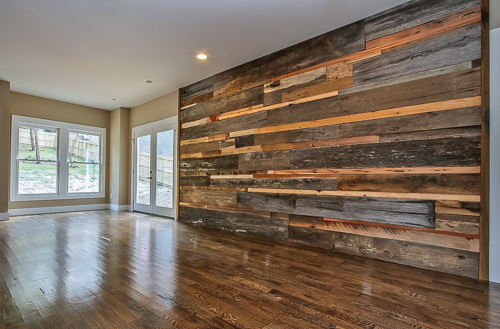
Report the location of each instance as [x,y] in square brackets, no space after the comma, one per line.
[495,155]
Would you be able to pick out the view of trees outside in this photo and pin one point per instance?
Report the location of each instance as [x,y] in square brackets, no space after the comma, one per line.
[38,171]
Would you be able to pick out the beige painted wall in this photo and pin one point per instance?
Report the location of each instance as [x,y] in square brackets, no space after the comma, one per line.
[44,108]
[4,145]
[158,109]
[494,14]
[119,156]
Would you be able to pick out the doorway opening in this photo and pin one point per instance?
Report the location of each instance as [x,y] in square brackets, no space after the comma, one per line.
[154,168]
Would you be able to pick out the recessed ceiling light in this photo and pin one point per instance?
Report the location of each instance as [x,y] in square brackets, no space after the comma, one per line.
[149,81]
[202,56]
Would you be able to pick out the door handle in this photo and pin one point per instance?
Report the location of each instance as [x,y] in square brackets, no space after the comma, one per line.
[150,177]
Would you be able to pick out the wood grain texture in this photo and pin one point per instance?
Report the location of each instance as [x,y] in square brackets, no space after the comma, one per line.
[237,221]
[214,164]
[484,269]
[414,254]
[412,14]
[408,123]
[264,160]
[369,194]
[318,89]
[209,197]
[222,280]
[439,88]
[441,184]
[255,120]
[373,131]
[432,239]
[295,183]
[441,152]
[339,43]
[383,171]
[415,213]
[246,98]
[452,47]
[466,17]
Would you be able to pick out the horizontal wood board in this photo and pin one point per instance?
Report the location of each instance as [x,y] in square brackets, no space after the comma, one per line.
[365,140]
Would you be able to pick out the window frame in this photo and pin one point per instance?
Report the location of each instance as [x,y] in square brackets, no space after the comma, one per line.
[63,129]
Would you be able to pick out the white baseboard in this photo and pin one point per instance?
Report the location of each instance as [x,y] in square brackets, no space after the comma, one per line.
[116,207]
[49,210]
[4,216]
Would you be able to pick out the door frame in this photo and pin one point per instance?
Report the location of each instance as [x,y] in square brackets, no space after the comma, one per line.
[171,124]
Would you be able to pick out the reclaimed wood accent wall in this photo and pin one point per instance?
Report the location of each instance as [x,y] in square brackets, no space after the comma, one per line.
[365,140]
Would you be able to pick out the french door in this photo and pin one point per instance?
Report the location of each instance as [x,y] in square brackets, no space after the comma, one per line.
[155,168]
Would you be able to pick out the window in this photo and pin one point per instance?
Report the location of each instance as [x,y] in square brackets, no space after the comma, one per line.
[56,160]
[84,159]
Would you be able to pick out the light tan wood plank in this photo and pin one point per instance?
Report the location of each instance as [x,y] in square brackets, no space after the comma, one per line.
[406,234]
[295,80]
[416,196]
[422,108]
[319,89]
[426,30]
[339,71]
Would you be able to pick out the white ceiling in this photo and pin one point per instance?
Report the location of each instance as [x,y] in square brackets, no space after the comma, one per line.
[90,51]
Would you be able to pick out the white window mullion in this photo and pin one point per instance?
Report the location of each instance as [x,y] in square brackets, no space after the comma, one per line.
[63,162]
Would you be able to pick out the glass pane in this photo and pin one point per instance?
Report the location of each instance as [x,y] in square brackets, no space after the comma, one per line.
[37,177]
[83,178]
[144,170]
[84,148]
[37,144]
[164,168]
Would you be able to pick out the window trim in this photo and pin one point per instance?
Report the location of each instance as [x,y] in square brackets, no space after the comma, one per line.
[63,129]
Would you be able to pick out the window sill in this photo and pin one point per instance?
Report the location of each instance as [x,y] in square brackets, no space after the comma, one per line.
[71,196]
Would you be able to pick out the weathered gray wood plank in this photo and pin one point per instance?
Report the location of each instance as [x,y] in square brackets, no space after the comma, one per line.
[412,14]
[246,98]
[434,258]
[199,147]
[255,120]
[445,49]
[416,122]
[417,213]
[194,181]
[212,164]
[288,183]
[244,222]
[335,44]
[450,152]
[459,84]
[274,160]
[197,89]
[209,197]
[438,184]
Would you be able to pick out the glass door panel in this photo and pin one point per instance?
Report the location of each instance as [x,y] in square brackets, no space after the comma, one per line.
[164,168]
[143,177]
[155,169]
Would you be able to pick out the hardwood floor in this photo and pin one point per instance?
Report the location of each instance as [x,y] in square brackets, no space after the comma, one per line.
[104,269]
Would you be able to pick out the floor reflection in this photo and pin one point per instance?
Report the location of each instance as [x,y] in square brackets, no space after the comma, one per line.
[104,269]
